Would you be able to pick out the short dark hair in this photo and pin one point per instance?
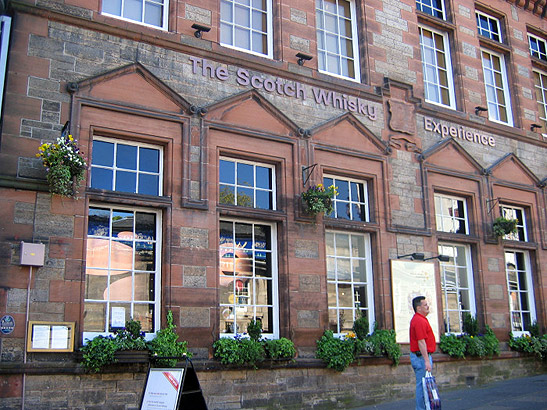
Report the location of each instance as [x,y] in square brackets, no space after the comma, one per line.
[417,301]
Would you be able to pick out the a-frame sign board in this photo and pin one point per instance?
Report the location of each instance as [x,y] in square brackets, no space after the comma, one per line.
[173,388]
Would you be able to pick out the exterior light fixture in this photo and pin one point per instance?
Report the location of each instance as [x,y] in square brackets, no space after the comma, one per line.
[414,256]
[200,29]
[442,258]
[534,126]
[303,58]
[479,109]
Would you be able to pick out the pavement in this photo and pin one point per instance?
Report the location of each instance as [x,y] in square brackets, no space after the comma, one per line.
[515,394]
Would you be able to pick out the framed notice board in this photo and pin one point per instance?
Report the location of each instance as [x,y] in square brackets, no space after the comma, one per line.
[50,336]
[408,280]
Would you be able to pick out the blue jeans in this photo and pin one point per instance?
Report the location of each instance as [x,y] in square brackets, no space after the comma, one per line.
[418,364]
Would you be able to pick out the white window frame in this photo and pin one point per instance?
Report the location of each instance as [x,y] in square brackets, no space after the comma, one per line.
[491,20]
[332,279]
[269,28]
[157,281]
[511,212]
[542,55]
[5,30]
[437,68]
[165,17]
[321,31]
[352,201]
[528,289]
[275,291]
[450,250]
[494,104]
[540,85]
[421,4]
[138,172]
[440,216]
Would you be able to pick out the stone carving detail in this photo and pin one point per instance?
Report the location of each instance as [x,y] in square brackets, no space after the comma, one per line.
[402,117]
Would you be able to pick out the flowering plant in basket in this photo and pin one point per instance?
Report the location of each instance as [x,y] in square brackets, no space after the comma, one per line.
[65,165]
[319,199]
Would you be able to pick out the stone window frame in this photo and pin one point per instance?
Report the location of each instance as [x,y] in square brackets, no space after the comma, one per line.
[447,67]
[540,86]
[441,216]
[249,27]
[333,280]
[323,53]
[539,52]
[489,73]
[458,288]
[351,202]
[254,187]
[157,272]
[523,285]
[518,213]
[495,26]
[275,305]
[164,18]
[5,29]
[438,10]
[115,169]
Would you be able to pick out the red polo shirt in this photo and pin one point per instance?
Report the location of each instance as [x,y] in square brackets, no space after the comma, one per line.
[421,329]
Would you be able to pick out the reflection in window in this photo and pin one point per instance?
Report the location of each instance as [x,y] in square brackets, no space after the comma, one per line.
[457,286]
[122,269]
[521,294]
[538,47]
[5,29]
[351,202]
[337,51]
[148,12]
[488,26]
[247,277]
[246,184]
[451,214]
[540,83]
[497,89]
[349,280]
[125,167]
[511,212]
[247,25]
[432,7]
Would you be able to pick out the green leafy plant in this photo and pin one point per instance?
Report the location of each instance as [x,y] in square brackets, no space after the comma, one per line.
[98,353]
[254,329]
[361,327]
[65,165]
[536,345]
[503,226]
[470,324]
[318,199]
[130,337]
[385,344]
[478,345]
[279,348]
[453,345]
[239,351]
[166,344]
[335,352]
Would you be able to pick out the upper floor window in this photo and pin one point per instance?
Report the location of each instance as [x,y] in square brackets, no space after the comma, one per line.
[540,83]
[497,87]
[432,7]
[538,47]
[245,183]
[337,45]
[511,212]
[352,199]
[451,214]
[488,26]
[247,25]
[126,167]
[5,28]
[437,68]
[521,291]
[149,12]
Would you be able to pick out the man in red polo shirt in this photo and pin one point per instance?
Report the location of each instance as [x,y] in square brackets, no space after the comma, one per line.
[422,344]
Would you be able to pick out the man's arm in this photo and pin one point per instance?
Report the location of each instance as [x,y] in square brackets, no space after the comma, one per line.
[423,350]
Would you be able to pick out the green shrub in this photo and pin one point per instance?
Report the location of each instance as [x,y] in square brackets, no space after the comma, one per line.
[360,327]
[530,344]
[491,342]
[166,344]
[470,324]
[279,348]
[475,346]
[336,353]
[98,353]
[239,351]
[254,329]
[385,344]
[468,345]
[130,337]
[453,345]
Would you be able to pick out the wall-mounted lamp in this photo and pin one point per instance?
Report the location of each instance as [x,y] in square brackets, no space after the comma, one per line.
[200,29]
[534,126]
[442,258]
[303,58]
[479,109]
[414,256]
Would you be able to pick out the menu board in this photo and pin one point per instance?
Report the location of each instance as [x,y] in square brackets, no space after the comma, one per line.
[162,389]
[50,336]
[408,280]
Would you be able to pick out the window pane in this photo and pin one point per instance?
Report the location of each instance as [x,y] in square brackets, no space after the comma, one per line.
[112,7]
[126,181]
[101,178]
[153,14]
[149,160]
[103,153]
[133,9]
[148,184]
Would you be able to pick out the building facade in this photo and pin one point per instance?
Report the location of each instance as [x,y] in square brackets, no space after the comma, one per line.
[203,123]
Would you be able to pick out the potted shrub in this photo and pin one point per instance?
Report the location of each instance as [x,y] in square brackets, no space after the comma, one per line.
[317,199]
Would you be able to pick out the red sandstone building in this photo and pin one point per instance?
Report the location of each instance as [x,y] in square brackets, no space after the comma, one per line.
[204,122]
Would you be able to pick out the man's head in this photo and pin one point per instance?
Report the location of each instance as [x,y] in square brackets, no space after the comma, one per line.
[419,304]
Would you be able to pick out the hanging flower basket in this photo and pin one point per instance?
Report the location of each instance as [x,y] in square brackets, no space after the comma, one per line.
[65,165]
[317,199]
[503,226]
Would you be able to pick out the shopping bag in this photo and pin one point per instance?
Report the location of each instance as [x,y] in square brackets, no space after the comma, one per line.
[431,393]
